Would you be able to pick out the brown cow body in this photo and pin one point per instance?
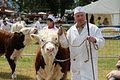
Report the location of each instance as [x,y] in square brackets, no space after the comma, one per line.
[10,44]
[47,68]
[62,54]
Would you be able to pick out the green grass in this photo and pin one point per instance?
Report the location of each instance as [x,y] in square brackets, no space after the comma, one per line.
[31,48]
[111,48]
[25,67]
[105,65]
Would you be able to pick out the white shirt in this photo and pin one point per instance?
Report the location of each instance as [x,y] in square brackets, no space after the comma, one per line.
[79,69]
[55,28]
[37,23]
[6,27]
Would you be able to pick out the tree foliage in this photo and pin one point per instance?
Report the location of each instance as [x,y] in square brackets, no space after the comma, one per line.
[65,4]
[85,2]
[54,6]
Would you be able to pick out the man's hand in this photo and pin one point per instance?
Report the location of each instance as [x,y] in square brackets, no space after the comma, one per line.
[91,39]
[118,64]
[60,31]
[114,73]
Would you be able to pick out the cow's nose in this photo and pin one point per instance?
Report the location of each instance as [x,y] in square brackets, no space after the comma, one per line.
[50,49]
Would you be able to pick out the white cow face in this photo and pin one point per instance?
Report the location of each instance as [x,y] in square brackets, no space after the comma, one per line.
[48,40]
[27,32]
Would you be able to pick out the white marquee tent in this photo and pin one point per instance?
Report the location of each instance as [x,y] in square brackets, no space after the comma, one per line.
[105,7]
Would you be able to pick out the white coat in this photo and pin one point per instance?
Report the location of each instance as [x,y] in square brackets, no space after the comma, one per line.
[79,69]
[55,28]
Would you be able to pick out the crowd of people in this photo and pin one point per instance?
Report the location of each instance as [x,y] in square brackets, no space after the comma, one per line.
[6,23]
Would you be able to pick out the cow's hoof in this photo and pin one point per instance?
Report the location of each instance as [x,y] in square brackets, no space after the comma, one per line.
[14,76]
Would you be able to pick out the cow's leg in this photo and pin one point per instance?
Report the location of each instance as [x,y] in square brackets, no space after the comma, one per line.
[64,76]
[12,66]
[38,77]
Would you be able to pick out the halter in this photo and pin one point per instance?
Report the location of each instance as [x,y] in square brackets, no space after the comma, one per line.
[56,44]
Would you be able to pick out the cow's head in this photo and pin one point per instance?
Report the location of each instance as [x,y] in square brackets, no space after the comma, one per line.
[18,39]
[27,32]
[48,41]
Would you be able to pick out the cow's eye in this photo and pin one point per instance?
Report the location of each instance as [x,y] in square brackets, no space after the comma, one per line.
[42,40]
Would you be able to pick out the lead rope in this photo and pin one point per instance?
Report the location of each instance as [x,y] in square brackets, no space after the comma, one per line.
[85,40]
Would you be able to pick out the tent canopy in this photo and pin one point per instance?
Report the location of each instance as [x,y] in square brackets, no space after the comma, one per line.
[103,7]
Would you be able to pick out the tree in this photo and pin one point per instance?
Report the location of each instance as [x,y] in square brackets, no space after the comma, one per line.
[53,5]
[65,4]
[85,2]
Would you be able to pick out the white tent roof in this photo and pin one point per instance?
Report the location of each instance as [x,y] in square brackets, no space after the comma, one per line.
[103,7]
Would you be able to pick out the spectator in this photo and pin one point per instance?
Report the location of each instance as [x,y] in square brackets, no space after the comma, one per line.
[98,22]
[51,23]
[14,20]
[11,20]
[92,19]
[105,22]
[6,26]
[37,24]
[115,74]
[19,21]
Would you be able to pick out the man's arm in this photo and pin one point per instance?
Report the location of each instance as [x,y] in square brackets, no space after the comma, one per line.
[114,73]
[62,38]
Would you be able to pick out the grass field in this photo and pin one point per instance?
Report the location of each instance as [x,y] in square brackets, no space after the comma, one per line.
[25,66]
[111,48]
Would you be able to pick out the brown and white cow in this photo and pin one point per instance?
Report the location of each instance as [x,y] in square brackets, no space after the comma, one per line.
[11,44]
[27,31]
[48,64]
[27,39]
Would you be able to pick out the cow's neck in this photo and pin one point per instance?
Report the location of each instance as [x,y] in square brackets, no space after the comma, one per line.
[27,40]
[48,59]
[52,71]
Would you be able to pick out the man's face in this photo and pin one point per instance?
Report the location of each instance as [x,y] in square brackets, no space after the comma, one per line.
[80,18]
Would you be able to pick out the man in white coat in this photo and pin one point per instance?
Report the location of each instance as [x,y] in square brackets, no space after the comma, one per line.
[81,67]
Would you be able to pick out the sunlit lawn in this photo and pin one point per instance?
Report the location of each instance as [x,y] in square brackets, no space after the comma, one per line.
[111,48]
[25,66]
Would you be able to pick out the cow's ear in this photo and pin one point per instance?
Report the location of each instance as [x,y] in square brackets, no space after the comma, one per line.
[35,36]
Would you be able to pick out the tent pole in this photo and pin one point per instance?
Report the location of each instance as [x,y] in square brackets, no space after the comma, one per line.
[119,17]
[92,63]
